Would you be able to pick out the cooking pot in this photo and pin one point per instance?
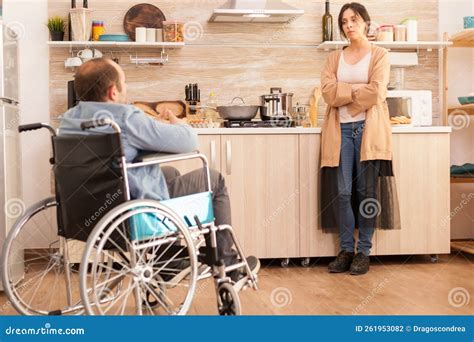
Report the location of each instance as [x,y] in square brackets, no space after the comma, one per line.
[276,105]
[237,112]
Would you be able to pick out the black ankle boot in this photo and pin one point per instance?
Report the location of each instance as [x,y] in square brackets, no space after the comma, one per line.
[360,264]
[342,262]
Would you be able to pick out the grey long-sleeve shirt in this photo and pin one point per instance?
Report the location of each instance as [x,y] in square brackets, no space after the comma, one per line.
[139,133]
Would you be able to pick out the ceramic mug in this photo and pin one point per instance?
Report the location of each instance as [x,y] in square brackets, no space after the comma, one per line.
[97,54]
[73,62]
[85,54]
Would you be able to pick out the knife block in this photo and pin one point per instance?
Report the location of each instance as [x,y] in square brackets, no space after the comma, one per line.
[191,107]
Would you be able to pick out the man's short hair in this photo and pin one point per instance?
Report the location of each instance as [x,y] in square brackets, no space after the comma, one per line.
[94,78]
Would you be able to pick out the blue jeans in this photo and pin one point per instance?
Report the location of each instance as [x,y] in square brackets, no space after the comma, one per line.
[351,134]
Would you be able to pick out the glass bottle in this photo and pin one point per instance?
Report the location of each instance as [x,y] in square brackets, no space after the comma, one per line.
[327,24]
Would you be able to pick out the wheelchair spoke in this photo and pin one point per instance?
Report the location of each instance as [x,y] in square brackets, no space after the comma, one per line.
[129,290]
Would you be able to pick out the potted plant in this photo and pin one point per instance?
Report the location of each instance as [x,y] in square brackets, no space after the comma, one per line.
[56,26]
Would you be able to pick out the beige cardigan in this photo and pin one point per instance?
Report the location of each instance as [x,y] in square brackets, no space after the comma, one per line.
[377,135]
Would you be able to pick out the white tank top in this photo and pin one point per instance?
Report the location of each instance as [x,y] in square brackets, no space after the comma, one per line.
[357,73]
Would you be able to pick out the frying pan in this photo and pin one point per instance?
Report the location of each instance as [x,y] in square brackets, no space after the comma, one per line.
[237,112]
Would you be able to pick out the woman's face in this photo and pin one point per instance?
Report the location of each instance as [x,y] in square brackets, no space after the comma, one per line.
[353,25]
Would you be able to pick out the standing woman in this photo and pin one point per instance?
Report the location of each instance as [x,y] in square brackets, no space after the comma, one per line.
[357,184]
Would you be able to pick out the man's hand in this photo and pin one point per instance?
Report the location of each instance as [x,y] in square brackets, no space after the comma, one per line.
[168,117]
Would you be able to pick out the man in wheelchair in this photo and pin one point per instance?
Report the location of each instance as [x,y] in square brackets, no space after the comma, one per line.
[100,85]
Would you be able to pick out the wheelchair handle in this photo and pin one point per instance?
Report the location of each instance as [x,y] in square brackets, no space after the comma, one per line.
[35,126]
[100,123]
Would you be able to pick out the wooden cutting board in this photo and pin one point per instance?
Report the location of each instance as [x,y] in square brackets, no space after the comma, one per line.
[313,106]
[142,15]
[154,109]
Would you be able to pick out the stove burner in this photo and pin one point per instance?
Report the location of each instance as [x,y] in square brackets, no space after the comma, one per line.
[259,124]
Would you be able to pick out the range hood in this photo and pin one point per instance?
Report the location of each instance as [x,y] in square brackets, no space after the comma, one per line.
[255,11]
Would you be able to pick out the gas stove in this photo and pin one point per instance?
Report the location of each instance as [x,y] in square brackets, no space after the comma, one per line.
[259,124]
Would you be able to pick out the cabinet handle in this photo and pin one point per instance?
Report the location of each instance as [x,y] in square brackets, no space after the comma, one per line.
[213,154]
[229,157]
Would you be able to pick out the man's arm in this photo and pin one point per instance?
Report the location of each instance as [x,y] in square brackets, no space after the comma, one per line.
[148,134]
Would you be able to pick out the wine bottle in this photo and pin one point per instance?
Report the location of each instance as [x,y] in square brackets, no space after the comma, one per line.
[327,24]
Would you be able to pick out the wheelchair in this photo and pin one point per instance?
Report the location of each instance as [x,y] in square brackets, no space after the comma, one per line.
[91,249]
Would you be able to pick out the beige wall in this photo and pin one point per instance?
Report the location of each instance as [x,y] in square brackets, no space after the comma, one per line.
[243,71]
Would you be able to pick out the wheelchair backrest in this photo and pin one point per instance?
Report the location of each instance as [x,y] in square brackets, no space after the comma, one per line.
[89,181]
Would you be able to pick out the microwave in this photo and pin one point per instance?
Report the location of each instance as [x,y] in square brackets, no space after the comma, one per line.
[415,104]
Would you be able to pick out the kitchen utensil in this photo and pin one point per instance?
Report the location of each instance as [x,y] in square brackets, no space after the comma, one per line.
[142,15]
[237,112]
[98,29]
[140,34]
[301,115]
[73,62]
[85,54]
[150,35]
[159,35]
[114,38]
[412,28]
[97,53]
[313,110]
[400,33]
[177,107]
[385,33]
[81,23]
[464,100]
[468,22]
[276,105]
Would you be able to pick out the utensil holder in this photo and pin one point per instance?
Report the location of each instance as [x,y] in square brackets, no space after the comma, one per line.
[81,24]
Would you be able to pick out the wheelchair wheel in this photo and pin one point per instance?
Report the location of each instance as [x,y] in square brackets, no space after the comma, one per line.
[228,300]
[36,274]
[158,272]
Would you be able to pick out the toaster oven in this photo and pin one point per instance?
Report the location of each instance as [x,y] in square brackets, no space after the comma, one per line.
[414,104]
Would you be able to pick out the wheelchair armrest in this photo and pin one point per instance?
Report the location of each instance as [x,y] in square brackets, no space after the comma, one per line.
[161,158]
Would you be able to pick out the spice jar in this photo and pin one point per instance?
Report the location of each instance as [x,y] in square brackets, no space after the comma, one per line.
[173,31]
[400,33]
[412,28]
[385,33]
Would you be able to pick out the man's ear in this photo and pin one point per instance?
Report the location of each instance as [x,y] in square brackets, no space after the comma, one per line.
[112,93]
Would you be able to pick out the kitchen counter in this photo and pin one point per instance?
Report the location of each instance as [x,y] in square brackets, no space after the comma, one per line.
[316,130]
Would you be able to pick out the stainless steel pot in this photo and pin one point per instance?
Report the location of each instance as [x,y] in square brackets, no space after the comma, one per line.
[238,112]
[276,105]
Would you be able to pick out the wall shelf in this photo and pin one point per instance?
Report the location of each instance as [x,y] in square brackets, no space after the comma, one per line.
[125,45]
[464,38]
[420,45]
